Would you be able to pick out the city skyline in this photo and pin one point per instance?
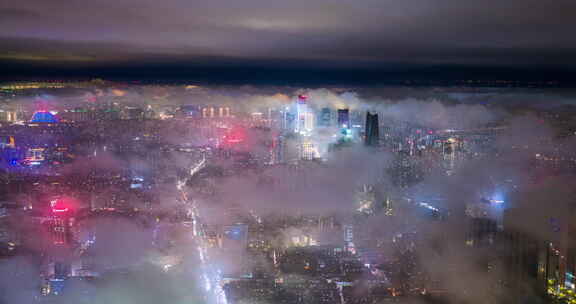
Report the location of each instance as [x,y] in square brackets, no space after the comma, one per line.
[243,198]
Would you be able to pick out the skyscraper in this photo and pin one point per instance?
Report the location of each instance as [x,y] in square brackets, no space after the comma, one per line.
[343,118]
[60,222]
[372,130]
[308,150]
[277,150]
[325,117]
[288,119]
[305,119]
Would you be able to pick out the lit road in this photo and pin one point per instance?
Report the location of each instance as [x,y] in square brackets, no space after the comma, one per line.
[210,274]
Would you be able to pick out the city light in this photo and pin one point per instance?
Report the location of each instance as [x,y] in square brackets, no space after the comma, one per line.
[278,197]
[58,206]
[428,206]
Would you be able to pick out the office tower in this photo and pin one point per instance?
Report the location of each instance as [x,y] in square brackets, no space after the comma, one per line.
[305,119]
[56,274]
[235,236]
[8,116]
[224,112]
[349,238]
[325,118]
[189,111]
[308,122]
[234,241]
[481,232]
[277,150]
[308,150]
[372,132]
[301,109]
[343,118]
[525,272]
[59,222]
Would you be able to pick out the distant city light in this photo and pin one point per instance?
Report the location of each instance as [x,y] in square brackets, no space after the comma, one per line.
[428,206]
[43,117]
[244,191]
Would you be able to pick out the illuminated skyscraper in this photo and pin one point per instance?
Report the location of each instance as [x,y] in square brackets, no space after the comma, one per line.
[8,116]
[349,238]
[288,115]
[60,222]
[452,153]
[305,119]
[308,122]
[308,150]
[372,130]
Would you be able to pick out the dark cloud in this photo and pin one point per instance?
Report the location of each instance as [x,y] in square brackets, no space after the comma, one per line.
[346,32]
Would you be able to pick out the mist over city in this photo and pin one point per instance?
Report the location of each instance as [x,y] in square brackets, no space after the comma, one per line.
[116,192]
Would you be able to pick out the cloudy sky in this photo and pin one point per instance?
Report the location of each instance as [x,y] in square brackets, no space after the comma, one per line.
[340,33]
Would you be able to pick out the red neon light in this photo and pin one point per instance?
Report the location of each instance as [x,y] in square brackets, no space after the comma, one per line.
[59,206]
[235,135]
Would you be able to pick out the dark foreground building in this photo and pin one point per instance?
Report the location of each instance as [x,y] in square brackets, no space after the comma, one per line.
[372,133]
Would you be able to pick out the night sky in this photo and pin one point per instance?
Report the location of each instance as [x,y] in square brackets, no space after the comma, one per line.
[175,37]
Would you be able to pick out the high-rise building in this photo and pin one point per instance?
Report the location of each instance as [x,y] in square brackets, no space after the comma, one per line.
[215,111]
[525,272]
[274,118]
[78,115]
[452,154]
[325,117]
[481,232]
[406,170]
[288,115]
[278,150]
[8,116]
[343,118]
[308,150]
[189,111]
[557,259]
[543,263]
[234,240]
[308,122]
[224,111]
[372,130]
[349,238]
[305,119]
[60,222]
[235,236]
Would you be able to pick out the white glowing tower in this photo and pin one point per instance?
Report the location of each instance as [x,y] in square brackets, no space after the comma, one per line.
[305,119]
